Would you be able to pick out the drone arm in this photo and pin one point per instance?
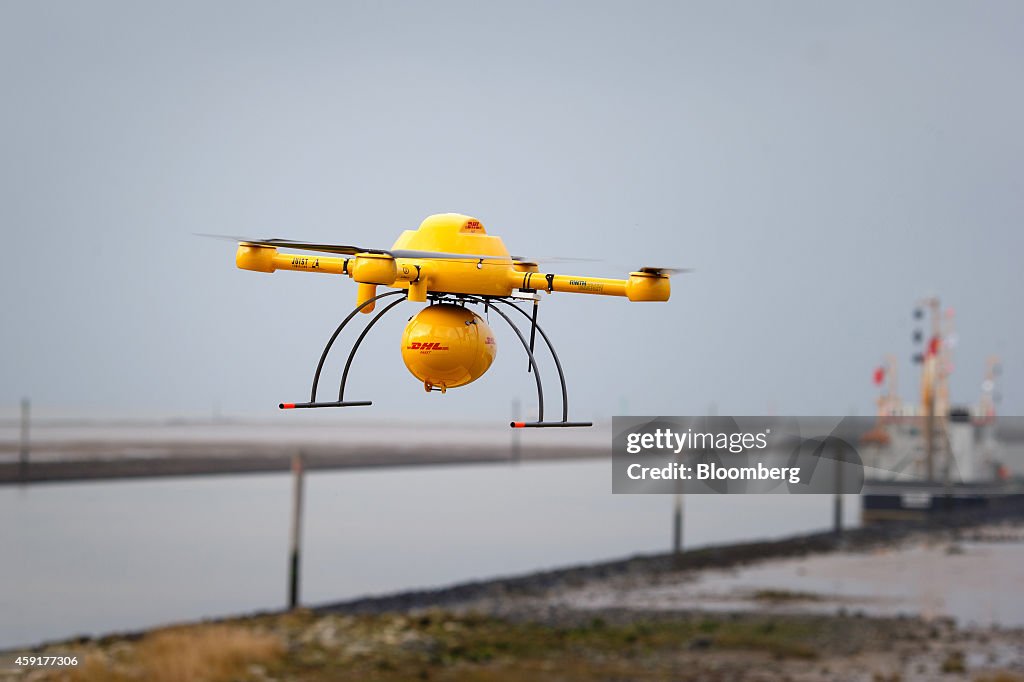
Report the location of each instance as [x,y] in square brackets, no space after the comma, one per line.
[640,286]
[368,269]
[268,259]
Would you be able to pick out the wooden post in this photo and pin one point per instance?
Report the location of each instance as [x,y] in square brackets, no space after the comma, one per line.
[296,534]
[23,452]
[514,452]
[837,500]
[677,517]
[677,526]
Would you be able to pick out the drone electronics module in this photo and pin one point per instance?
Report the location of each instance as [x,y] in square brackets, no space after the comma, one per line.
[449,262]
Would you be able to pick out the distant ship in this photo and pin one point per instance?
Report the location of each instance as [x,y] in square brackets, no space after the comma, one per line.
[935,458]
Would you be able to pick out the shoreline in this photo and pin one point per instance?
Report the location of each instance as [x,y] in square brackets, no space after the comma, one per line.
[528,626]
[469,595]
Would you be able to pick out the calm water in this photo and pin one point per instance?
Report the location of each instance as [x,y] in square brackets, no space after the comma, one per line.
[89,558]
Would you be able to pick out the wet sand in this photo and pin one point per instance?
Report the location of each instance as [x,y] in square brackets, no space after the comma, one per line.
[974,578]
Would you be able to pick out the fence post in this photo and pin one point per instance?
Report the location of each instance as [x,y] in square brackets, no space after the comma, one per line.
[837,500]
[25,447]
[296,534]
[515,453]
[677,526]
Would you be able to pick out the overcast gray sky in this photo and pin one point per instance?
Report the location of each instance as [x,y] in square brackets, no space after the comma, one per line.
[821,165]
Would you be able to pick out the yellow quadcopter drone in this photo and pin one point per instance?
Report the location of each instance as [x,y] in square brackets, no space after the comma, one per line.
[450,262]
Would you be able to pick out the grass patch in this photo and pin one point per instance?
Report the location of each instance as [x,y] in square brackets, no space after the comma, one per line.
[954,663]
[441,646]
[214,653]
[1002,676]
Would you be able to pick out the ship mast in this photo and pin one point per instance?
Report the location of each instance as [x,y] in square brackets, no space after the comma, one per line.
[935,364]
[987,403]
[888,401]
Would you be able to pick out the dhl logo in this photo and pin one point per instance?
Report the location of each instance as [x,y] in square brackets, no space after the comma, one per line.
[417,345]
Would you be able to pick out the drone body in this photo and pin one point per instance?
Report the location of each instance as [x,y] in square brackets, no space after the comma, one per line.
[452,262]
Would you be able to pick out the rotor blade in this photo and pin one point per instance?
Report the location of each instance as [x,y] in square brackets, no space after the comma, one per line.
[554,259]
[222,237]
[408,253]
[665,271]
[299,245]
[354,250]
[348,250]
[343,249]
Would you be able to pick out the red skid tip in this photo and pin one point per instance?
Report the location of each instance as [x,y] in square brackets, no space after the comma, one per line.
[287,406]
[518,425]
